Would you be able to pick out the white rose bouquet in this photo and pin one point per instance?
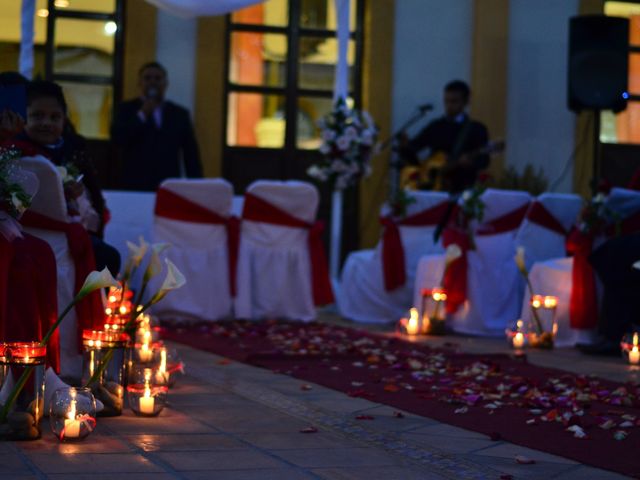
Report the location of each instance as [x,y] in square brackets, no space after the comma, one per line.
[348,142]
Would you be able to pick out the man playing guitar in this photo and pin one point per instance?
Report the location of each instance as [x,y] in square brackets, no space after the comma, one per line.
[458,146]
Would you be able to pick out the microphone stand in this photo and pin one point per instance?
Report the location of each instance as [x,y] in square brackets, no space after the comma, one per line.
[395,162]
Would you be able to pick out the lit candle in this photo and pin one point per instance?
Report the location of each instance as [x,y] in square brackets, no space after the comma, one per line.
[634,354]
[518,340]
[413,325]
[147,401]
[145,353]
[71,425]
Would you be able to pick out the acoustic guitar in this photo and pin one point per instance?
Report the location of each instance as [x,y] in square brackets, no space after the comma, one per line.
[432,173]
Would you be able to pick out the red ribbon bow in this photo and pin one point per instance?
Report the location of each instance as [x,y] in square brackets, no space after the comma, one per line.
[176,207]
[393,260]
[90,310]
[455,278]
[258,210]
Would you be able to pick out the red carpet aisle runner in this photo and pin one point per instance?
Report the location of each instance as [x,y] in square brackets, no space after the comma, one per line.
[590,420]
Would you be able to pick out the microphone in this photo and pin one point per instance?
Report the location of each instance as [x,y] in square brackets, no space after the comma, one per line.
[425,108]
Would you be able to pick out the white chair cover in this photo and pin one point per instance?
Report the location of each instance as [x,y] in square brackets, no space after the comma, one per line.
[274,273]
[541,243]
[362,296]
[199,250]
[554,276]
[131,217]
[50,201]
[494,290]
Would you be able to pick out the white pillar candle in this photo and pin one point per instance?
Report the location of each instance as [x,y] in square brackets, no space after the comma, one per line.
[147,403]
[413,326]
[518,340]
[71,425]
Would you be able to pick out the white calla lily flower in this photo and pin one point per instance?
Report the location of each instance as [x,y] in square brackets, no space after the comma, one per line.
[155,264]
[174,280]
[137,252]
[520,261]
[96,280]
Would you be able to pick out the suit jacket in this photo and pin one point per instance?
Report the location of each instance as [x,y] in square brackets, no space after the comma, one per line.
[151,154]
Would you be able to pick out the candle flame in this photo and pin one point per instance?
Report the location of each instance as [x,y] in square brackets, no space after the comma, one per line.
[635,339]
[147,378]
[163,360]
[550,301]
[108,311]
[112,298]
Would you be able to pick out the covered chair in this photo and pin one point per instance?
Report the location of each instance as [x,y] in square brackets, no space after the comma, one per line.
[47,219]
[370,291]
[282,269]
[193,216]
[577,310]
[493,292]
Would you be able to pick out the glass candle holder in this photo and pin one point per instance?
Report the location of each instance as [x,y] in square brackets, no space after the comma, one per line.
[169,364]
[411,326]
[630,348]
[147,391]
[516,336]
[104,368]
[433,310]
[542,327]
[72,413]
[146,353]
[21,390]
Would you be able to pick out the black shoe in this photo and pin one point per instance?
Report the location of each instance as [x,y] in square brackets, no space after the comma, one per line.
[603,347]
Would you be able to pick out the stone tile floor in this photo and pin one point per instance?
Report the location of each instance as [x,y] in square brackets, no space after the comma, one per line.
[233,421]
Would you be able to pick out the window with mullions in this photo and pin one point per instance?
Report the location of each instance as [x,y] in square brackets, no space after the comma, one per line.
[624,127]
[84,55]
[280,72]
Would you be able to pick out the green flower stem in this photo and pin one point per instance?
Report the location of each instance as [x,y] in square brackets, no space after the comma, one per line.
[14,393]
[100,370]
[27,371]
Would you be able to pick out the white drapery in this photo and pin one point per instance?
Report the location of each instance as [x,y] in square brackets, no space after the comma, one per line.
[340,89]
[25,64]
[201,8]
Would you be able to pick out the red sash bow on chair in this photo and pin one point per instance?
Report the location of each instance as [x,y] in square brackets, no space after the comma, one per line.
[583,304]
[393,263]
[539,215]
[89,310]
[258,210]
[173,206]
[455,277]
[28,293]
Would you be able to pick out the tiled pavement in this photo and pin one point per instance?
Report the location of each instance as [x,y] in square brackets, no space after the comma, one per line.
[233,421]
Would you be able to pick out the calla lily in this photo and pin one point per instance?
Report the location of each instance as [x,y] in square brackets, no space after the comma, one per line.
[452,253]
[174,280]
[96,280]
[519,259]
[137,252]
[155,265]
[636,265]
[17,203]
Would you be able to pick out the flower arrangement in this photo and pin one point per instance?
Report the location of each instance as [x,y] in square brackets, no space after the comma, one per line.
[596,215]
[13,197]
[348,142]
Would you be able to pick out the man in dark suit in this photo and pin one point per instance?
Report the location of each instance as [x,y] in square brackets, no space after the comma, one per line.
[154,135]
